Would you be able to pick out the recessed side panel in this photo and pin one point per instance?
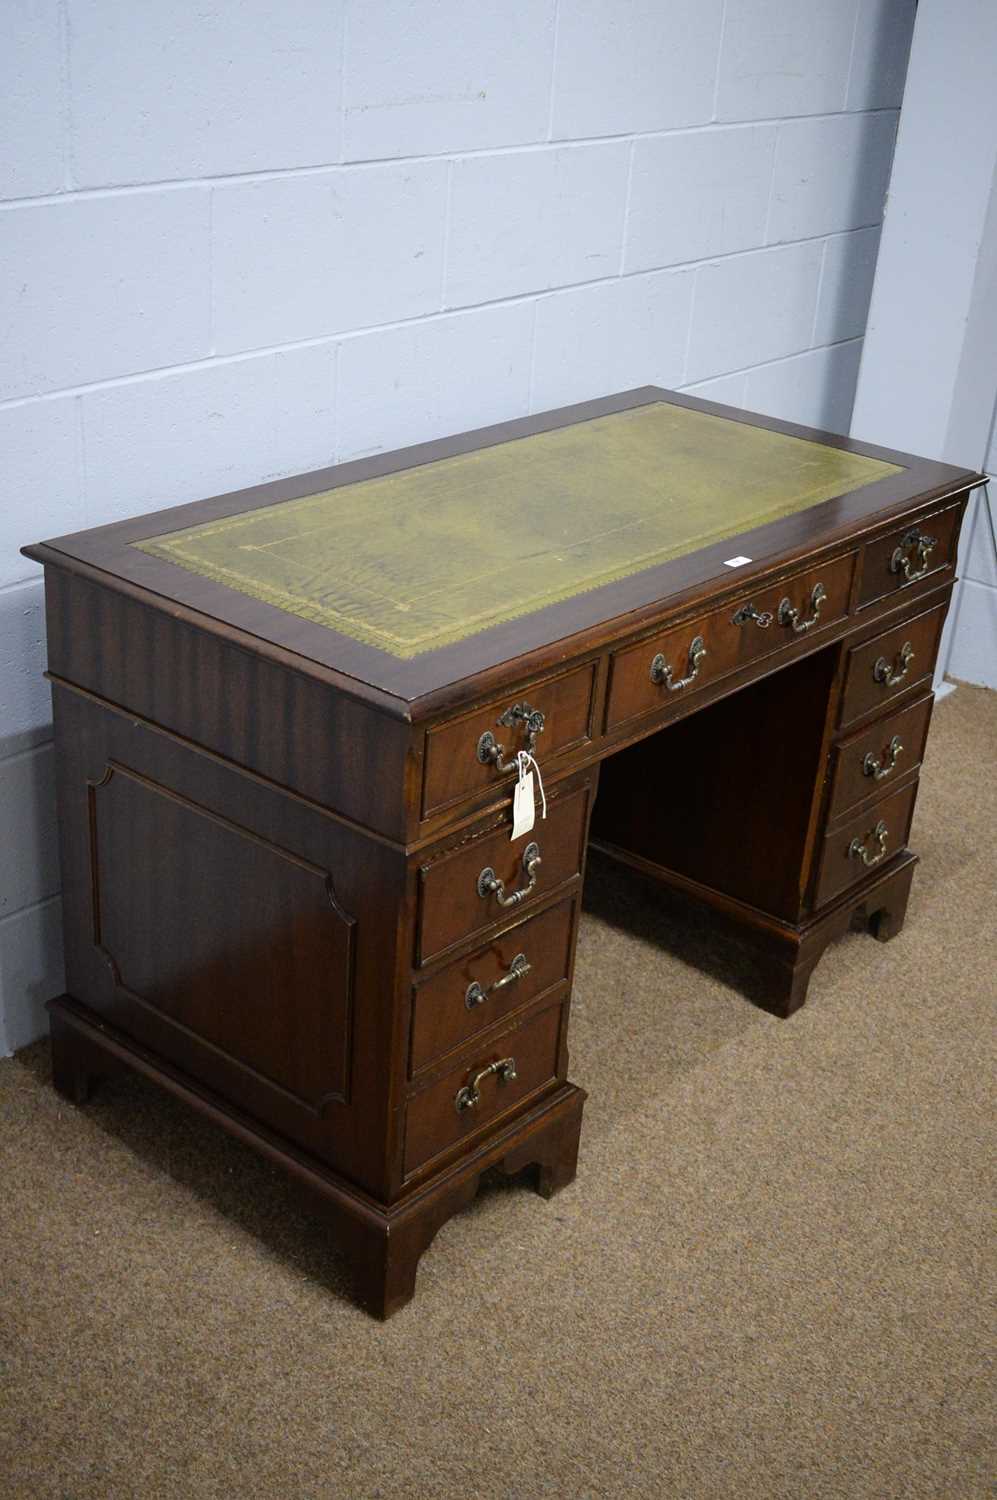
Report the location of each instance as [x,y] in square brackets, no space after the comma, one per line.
[225,935]
[241,935]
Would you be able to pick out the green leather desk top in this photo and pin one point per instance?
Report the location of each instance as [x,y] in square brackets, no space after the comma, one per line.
[430,555]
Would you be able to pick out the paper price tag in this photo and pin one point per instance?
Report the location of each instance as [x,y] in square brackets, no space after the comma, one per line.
[523,802]
[524,810]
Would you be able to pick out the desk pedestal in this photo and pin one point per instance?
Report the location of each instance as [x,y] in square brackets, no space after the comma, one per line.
[780,956]
[382,1244]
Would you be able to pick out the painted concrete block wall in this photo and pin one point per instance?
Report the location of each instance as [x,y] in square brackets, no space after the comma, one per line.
[240,240]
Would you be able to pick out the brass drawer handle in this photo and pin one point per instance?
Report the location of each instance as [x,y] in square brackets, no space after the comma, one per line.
[889,676]
[490,885]
[661,672]
[881,768]
[477,994]
[490,752]
[858,850]
[923,545]
[789,616]
[762,618]
[470,1094]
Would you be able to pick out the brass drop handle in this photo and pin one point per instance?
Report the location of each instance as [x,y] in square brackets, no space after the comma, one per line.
[490,885]
[787,615]
[470,1094]
[881,768]
[661,672]
[477,994]
[490,752]
[889,676]
[762,618]
[900,562]
[857,848]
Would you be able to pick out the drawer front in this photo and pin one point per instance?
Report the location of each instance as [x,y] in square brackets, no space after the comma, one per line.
[645,678]
[891,664]
[864,765]
[912,552]
[454,769]
[864,843]
[517,1065]
[454,899]
[475,992]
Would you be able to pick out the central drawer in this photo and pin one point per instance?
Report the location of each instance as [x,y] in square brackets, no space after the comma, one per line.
[683,659]
[458,891]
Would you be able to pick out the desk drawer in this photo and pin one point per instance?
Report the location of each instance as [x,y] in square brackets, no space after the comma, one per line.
[912,552]
[890,664]
[454,899]
[685,658]
[865,764]
[479,990]
[515,1066]
[866,841]
[454,770]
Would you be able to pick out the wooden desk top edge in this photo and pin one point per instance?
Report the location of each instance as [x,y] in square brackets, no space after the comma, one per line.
[447,677]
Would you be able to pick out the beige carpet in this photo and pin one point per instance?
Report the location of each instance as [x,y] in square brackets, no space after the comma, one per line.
[769,1280]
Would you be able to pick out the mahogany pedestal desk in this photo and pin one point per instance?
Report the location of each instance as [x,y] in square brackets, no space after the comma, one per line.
[286,730]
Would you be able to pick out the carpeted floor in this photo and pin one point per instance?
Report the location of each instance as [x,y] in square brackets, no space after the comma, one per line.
[769,1280]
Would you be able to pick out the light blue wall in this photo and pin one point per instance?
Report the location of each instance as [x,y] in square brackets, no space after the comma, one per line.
[928,379]
[242,239]
[973,653]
